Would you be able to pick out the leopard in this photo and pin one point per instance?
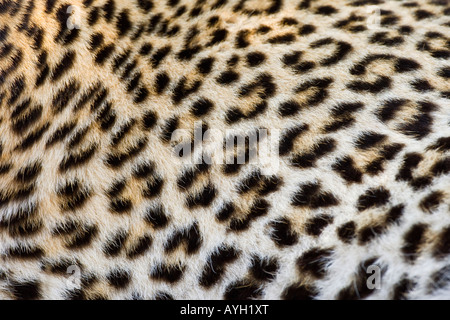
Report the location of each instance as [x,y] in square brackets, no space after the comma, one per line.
[108,193]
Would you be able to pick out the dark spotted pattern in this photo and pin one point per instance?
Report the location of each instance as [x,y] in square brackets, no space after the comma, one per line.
[90,175]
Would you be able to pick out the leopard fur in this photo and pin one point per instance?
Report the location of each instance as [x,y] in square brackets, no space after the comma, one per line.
[358,89]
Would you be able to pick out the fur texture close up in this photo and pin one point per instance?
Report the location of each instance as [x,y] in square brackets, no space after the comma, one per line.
[137,144]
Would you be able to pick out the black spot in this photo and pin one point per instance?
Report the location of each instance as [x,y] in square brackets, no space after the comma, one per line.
[153,187]
[310,195]
[288,137]
[346,232]
[143,170]
[440,167]
[218,35]
[282,233]
[368,233]
[308,159]
[442,245]
[315,226]
[441,144]
[421,85]
[163,296]
[169,127]
[201,107]
[374,197]
[264,269]
[234,115]
[114,245]
[233,60]
[49,5]
[83,238]
[413,239]
[190,236]
[242,290]
[139,247]
[64,95]
[188,52]
[444,72]
[157,217]
[342,49]
[326,10]
[167,273]
[77,159]
[122,131]
[205,65]
[119,278]
[28,290]
[145,49]
[109,9]
[384,39]
[195,12]
[298,292]
[263,29]
[121,205]
[264,81]
[212,21]
[123,23]
[161,82]
[255,58]
[369,139]
[250,182]
[96,41]
[346,168]
[149,119]
[145,5]
[159,55]
[390,107]
[420,126]
[64,65]
[292,58]
[402,288]
[394,214]
[431,201]
[25,252]
[283,39]
[241,39]
[306,29]
[346,108]
[227,77]
[289,108]
[225,212]
[411,160]
[203,198]
[269,184]
[422,14]
[216,265]
[116,188]
[406,29]
[182,91]
[315,262]
[406,65]
[93,16]
[29,172]
[60,133]
[104,53]
[377,86]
